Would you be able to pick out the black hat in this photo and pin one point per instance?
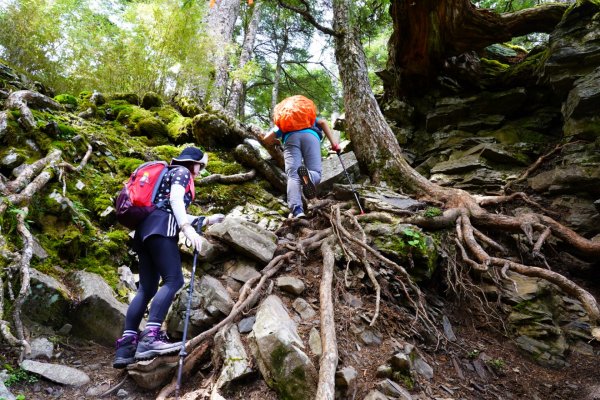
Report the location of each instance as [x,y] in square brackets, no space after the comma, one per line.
[192,154]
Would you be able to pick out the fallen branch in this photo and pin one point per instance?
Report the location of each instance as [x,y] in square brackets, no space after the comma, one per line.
[115,388]
[226,179]
[329,358]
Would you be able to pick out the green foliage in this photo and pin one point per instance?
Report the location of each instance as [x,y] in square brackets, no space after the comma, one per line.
[502,6]
[131,47]
[18,375]
[432,212]
[415,239]
[497,364]
[473,354]
[284,53]
[376,53]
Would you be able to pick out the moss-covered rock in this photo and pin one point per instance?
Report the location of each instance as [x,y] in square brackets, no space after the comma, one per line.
[152,128]
[188,107]
[406,244]
[180,129]
[131,98]
[68,100]
[151,100]
[210,129]
[48,301]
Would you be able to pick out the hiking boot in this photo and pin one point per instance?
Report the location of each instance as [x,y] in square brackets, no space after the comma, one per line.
[124,355]
[154,342]
[297,212]
[308,187]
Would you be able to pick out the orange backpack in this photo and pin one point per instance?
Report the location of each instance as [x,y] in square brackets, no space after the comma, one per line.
[295,113]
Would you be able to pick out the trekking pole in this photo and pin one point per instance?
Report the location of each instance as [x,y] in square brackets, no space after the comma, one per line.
[182,352]
[350,182]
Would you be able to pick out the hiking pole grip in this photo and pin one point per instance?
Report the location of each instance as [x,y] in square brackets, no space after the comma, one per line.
[182,352]
[350,182]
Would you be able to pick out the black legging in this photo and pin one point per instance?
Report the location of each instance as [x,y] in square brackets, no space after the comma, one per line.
[159,258]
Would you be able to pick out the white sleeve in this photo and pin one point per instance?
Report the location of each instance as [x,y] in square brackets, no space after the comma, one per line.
[177,205]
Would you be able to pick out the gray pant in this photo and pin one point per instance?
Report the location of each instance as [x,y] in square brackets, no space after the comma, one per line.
[298,147]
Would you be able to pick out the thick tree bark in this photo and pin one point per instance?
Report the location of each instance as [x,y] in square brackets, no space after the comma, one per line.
[237,86]
[427,32]
[376,147]
[221,21]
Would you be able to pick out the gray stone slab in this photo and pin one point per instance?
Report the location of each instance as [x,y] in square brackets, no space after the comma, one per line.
[57,373]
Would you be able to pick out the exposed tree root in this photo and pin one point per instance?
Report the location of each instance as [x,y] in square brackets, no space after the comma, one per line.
[329,358]
[493,200]
[17,195]
[220,178]
[22,100]
[248,156]
[414,296]
[365,261]
[468,213]
[81,165]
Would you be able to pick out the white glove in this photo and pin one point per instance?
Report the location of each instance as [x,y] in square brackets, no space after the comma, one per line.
[192,236]
[214,219]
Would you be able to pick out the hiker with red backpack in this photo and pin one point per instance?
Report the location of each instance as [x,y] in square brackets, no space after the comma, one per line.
[156,244]
[297,126]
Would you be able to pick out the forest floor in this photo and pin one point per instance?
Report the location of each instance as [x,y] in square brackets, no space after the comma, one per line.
[482,363]
[505,372]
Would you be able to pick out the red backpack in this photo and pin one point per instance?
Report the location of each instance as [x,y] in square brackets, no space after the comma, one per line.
[136,200]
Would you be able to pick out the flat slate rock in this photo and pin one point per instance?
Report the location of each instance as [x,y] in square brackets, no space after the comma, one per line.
[57,373]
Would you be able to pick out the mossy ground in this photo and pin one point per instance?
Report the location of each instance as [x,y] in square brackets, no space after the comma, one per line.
[123,136]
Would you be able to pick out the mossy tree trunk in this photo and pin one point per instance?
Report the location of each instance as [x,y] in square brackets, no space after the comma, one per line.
[427,32]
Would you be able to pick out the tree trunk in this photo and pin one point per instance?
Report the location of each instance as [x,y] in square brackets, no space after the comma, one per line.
[221,21]
[427,32]
[277,79]
[375,145]
[237,86]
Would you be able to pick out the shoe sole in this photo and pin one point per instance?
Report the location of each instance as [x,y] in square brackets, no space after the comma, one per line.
[121,363]
[308,187]
[147,355]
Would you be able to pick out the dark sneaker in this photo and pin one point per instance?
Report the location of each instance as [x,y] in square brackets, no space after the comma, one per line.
[154,342]
[125,352]
[297,212]
[308,187]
